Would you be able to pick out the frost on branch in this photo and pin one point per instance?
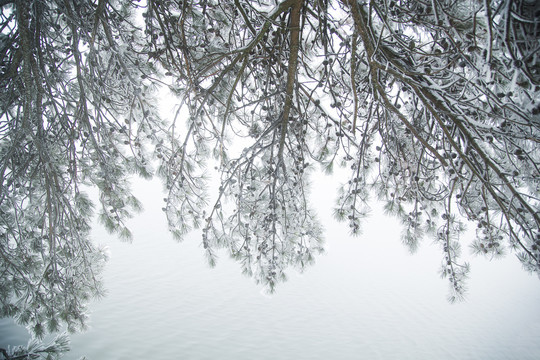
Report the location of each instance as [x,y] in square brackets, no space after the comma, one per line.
[77,109]
[431,105]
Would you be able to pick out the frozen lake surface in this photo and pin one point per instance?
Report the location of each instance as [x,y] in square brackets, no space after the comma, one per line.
[366,298]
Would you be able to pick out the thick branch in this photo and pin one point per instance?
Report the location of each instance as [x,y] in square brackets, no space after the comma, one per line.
[291,72]
[362,29]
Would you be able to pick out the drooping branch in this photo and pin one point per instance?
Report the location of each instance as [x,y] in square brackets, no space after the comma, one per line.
[294,28]
[375,67]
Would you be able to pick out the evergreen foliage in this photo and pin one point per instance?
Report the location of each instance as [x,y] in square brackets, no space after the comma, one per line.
[432,105]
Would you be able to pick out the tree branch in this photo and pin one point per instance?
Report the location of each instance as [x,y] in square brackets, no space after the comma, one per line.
[294,26]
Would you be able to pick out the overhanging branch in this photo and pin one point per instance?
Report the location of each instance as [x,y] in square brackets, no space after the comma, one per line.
[294,26]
